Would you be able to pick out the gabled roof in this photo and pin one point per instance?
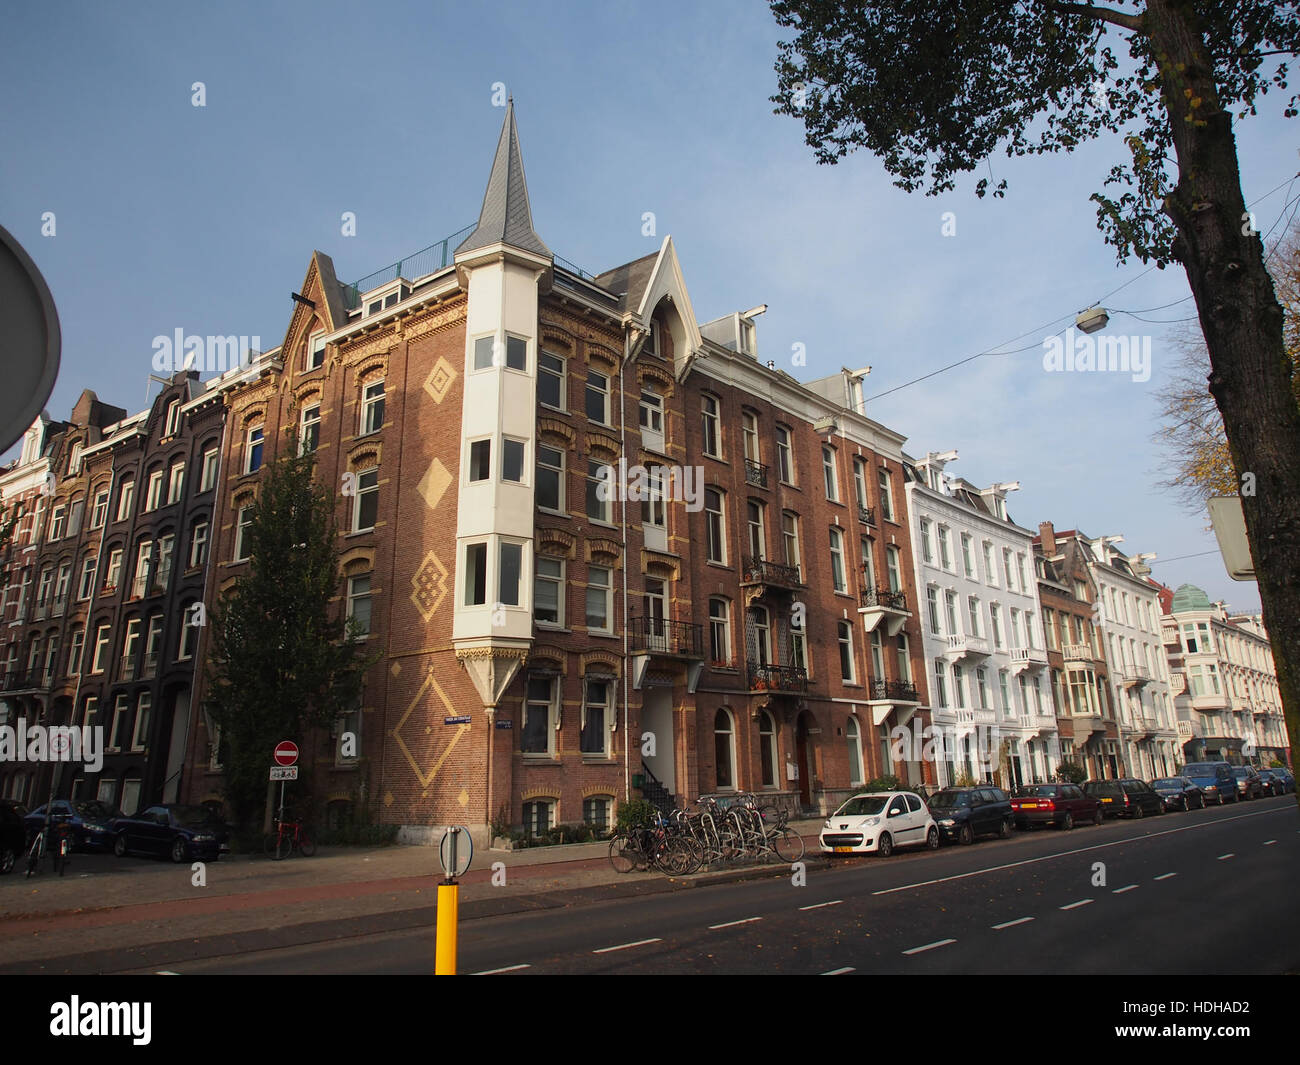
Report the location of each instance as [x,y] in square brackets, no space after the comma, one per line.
[629,281]
[506,217]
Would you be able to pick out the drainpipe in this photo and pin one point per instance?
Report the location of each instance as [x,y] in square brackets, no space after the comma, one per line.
[622,434]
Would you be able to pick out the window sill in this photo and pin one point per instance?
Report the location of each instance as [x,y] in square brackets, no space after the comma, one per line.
[598,759]
[542,760]
[603,524]
[601,632]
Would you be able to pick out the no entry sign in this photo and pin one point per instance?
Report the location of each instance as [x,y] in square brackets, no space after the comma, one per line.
[286,753]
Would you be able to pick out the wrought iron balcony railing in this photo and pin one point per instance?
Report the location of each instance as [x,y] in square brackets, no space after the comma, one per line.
[884,597]
[773,574]
[665,637]
[755,473]
[765,677]
[902,690]
[866,515]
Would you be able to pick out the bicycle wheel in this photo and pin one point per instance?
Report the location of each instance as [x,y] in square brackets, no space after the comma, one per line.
[306,845]
[283,845]
[673,857]
[788,845]
[34,856]
[622,854]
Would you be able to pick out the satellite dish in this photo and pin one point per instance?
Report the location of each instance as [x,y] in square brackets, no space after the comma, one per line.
[29,326]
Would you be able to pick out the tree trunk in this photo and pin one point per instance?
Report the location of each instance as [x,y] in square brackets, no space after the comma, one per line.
[1250,376]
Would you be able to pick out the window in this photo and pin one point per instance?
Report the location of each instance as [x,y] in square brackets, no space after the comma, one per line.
[982,686]
[198,545]
[61,586]
[548,591]
[484,348]
[656,605]
[550,380]
[853,738]
[798,648]
[958,686]
[990,571]
[480,460]
[189,632]
[720,632]
[309,429]
[510,570]
[130,648]
[945,547]
[784,456]
[114,570]
[211,459]
[516,353]
[877,654]
[359,604]
[724,751]
[253,450]
[550,478]
[316,352]
[58,520]
[767,748]
[950,612]
[366,510]
[598,492]
[860,481]
[475,574]
[52,654]
[712,432]
[868,562]
[837,561]
[940,684]
[886,496]
[125,497]
[372,407]
[904,659]
[140,582]
[596,810]
[88,711]
[790,538]
[119,723]
[828,474]
[539,817]
[538,727]
[594,733]
[243,530]
[43,594]
[973,616]
[163,572]
[1006,569]
[347,729]
[152,645]
[967,555]
[175,482]
[512,460]
[86,583]
[761,646]
[173,421]
[154,495]
[599,594]
[652,420]
[74,460]
[847,672]
[597,397]
[927,542]
[99,510]
[932,609]
[893,569]
[754,524]
[995,615]
[715,526]
[749,435]
[653,510]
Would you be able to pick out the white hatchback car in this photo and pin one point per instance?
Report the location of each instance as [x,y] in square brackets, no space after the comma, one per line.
[879,822]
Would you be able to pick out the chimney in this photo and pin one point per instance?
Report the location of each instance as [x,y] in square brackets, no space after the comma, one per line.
[1048,535]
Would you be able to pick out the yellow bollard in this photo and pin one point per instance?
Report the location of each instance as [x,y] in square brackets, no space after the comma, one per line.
[448,906]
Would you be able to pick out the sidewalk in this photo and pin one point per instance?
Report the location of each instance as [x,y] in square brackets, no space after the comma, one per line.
[119,908]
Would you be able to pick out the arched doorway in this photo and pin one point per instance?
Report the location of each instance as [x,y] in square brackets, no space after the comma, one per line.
[804,751]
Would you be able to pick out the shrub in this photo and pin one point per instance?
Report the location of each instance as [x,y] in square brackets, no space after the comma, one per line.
[885,783]
[965,780]
[635,812]
[1071,772]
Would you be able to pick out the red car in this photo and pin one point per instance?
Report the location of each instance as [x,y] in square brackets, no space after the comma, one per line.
[1063,805]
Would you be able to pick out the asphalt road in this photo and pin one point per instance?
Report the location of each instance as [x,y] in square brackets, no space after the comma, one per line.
[1209,892]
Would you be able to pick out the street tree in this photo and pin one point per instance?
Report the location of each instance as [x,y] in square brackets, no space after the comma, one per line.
[934,88]
[283,660]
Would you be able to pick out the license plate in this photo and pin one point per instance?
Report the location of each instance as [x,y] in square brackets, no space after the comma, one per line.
[1029,806]
[1106,800]
[843,850]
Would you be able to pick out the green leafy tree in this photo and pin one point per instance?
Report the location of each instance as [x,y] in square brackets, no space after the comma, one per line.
[283,661]
[934,88]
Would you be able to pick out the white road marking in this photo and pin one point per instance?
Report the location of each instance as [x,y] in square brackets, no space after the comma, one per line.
[1080,850]
[930,946]
[1121,890]
[507,969]
[166,972]
[1164,876]
[1012,924]
[1269,842]
[1075,905]
[732,924]
[839,972]
[625,946]
[819,905]
[1225,857]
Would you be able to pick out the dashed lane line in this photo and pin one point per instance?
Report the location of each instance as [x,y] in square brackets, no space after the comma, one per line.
[930,946]
[1076,905]
[840,972]
[1164,876]
[1127,887]
[1012,924]
[819,905]
[732,924]
[505,969]
[628,946]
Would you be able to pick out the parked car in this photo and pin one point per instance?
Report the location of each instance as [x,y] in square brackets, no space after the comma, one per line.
[13,835]
[1248,783]
[1126,797]
[964,813]
[878,822]
[183,833]
[1285,779]
[1179,793]
[1215,780]
[87,820]
[1062,805]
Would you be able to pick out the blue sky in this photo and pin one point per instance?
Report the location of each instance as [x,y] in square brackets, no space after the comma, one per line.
[171,216]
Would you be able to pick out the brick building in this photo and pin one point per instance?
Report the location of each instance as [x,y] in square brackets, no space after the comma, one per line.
[603,548]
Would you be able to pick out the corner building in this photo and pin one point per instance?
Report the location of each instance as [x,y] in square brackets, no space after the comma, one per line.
[604,550]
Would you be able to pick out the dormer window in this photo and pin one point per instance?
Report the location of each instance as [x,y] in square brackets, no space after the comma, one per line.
[173,423]
[652,341]
[316,352]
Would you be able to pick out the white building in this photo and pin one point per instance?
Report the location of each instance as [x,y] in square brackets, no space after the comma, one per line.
[981,626]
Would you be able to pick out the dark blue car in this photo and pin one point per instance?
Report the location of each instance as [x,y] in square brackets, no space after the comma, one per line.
[179,832]
[87,820]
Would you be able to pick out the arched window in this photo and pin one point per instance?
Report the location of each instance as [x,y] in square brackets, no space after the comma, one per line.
[767,748]
[724,748]
[853,737]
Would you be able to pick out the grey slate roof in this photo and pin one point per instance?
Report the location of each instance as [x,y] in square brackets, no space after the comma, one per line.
[629,281]
[506,216]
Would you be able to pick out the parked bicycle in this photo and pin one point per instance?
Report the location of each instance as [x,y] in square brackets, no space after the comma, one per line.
[659,844]
[287,836]
[53,841]
[709,836]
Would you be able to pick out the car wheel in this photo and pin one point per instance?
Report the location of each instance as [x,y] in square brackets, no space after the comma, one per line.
[1097,816]
[1138,812]
[931,839]
[8,859]
[967,835]
[179,850]
[886,845]
[1067,822]
[119,846]
[1004,829]
[1200,803]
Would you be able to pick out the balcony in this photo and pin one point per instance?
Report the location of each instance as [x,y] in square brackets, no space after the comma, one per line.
[1023,658]
[755,473]
[659,636]
[884,604]
[866,515]
[1084,724]
[1210,701]
[967,717]
[769,678]
[1077,652]
[150,666]
[1136,676]
[60,605]
[127,668]
[17,680]
[757,572]
[1041,722]
[961,645]
[894,691]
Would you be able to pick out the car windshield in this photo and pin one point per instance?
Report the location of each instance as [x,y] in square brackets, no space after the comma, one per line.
[95,811]
[192,815]
[1167,783]
[862,806]
[1241,771]
[948,799]
[1200,771]
[1038,789]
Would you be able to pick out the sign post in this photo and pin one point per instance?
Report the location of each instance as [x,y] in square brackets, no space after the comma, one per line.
[455,852]
[286,756]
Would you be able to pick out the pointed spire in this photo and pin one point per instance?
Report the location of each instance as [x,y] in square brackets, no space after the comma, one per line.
[506,216]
